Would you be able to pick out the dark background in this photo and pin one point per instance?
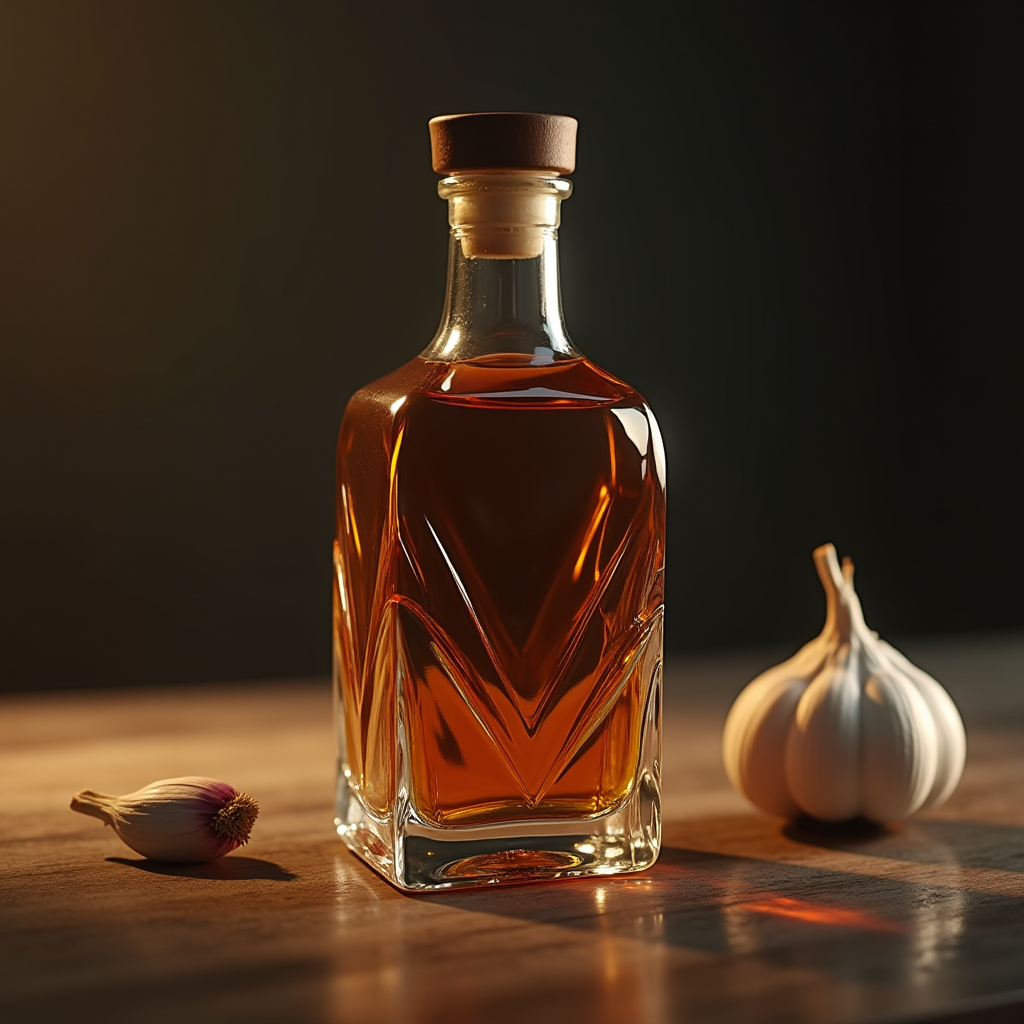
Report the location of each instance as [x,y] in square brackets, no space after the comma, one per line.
[796,230]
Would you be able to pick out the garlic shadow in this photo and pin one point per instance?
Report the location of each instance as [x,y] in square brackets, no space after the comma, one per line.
[968,844]
[836,835]
[226,869]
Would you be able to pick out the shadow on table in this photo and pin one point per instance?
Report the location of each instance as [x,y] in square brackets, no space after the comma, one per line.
[224,869]
[829,919]
[964,843]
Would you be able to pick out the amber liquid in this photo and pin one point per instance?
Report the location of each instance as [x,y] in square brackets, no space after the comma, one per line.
[499,555]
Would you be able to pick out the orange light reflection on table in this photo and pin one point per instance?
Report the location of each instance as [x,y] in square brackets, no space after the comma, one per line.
[820,913]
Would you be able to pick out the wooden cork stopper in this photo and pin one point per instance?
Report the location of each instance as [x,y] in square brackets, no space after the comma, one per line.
[461,143]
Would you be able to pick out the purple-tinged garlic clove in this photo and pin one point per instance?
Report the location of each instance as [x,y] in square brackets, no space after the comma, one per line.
[185,820]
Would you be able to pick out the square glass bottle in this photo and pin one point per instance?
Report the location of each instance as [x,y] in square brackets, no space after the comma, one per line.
[499,563]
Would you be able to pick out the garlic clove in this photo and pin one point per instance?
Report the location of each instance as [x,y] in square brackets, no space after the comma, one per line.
[755,731]
[949,726]
[185,820]
[755,742]
[823,744]
[899,750]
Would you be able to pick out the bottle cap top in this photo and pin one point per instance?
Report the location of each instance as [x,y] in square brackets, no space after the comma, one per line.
[507,141]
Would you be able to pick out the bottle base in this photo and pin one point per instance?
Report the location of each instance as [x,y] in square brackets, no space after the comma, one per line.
[422,858]
[416,856]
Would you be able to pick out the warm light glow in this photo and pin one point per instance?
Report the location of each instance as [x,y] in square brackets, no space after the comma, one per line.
[393,475]
[819,913]
[595,522]
[340,579]
[612,466]
[351,518]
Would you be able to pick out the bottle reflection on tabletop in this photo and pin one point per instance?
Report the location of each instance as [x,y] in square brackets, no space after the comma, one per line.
[898,927]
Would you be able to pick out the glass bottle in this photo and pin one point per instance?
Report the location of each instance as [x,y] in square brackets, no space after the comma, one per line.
[499,560]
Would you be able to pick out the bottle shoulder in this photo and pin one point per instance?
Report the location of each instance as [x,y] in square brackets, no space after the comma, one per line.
[508,381]
[413,377]
[507,403]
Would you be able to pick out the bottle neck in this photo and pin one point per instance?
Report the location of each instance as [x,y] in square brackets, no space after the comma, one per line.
[503,294]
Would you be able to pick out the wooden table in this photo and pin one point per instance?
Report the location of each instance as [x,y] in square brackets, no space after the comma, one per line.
[744,918]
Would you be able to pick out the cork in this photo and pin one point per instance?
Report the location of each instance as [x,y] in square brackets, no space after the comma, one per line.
[463,143]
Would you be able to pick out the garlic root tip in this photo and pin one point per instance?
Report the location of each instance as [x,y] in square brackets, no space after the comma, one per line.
[236,818]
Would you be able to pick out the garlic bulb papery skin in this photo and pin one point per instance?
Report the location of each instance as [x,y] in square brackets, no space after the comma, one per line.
[185,820]
[847,727]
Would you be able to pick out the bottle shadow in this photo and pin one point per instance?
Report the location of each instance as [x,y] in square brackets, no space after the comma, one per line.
[225,869]
[743,887]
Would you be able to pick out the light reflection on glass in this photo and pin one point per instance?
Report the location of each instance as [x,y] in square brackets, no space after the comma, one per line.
[342,589]
[453,340]
[634,423]
[604,500]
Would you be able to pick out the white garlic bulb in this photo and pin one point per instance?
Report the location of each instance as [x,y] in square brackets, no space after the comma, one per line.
[847,727]
[184,820]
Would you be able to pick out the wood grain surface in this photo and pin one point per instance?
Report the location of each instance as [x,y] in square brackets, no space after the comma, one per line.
[744,918]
